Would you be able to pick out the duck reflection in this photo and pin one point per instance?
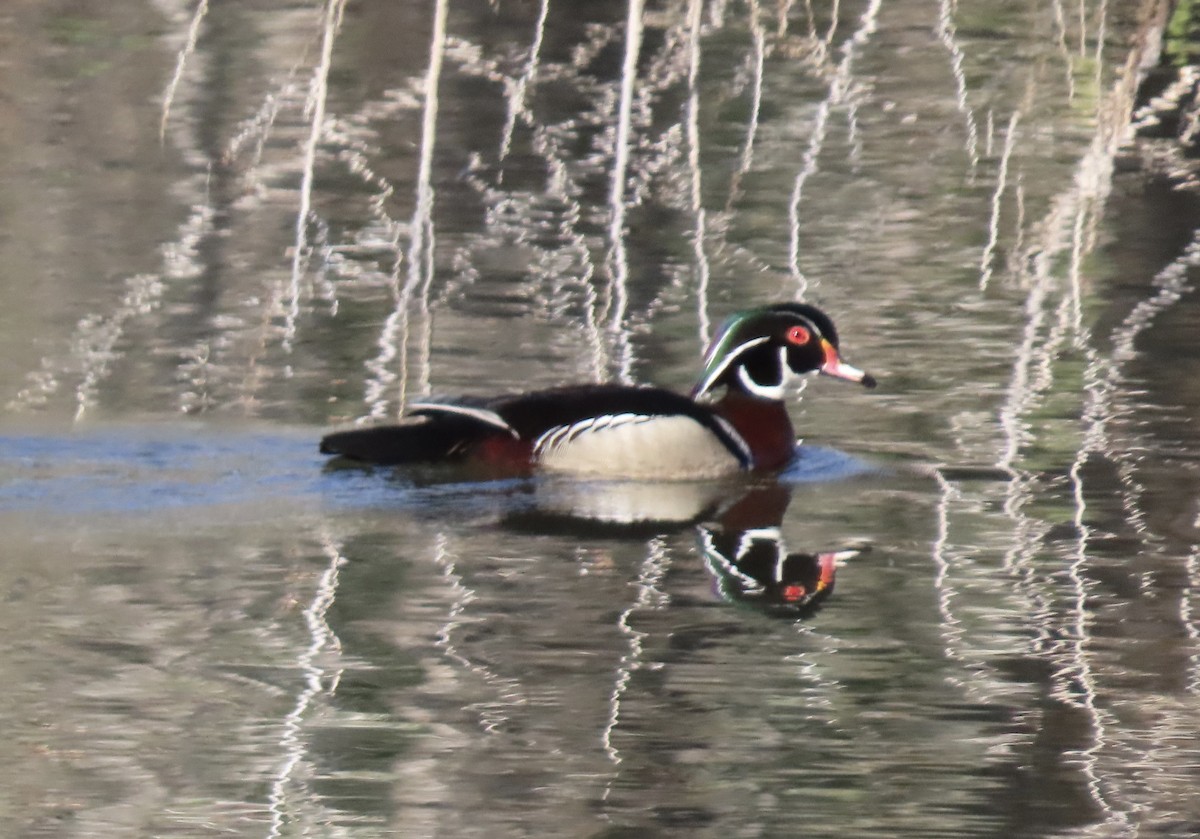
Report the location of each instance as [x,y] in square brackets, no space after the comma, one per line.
[738,528]
[745,551]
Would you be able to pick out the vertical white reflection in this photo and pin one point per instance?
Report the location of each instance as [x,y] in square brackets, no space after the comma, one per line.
[95,341]
[1083,28]
[492,715]
[618,261]
[650,575]
[189,47]
[835,14]
[811,18]
[1101,35]
[746,159]
[317,679]
[943,583]
[421,243]
[1060,27]
[785,11]
[1065,236]
[1077,683]
[1104,379]
[1016,264]
[1097,413]
[391,344]
[948,33]
[989,250]
[1189,618]
[1022,393]
[821,43]
[393,338]
[314,107]
[695,17]
[839,88]
[1075,277]
[516,99]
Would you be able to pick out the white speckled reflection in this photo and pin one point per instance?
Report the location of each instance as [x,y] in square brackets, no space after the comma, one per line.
[969,610]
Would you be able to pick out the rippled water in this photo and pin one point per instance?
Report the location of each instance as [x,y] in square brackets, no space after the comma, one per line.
[968,610]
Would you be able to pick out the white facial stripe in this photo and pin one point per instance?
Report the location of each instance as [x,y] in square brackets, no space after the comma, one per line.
[713,558]
[730,358]
[758,534]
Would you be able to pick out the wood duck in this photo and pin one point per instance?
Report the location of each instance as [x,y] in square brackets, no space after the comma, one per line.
[733,420]
[744,549]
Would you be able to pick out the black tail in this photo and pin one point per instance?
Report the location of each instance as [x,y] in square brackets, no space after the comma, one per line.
[416,439]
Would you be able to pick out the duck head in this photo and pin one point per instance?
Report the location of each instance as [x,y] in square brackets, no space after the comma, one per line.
[757,351]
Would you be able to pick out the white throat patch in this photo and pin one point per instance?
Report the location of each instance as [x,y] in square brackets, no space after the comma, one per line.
[774,391]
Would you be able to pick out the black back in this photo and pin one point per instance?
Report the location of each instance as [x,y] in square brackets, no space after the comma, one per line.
[433,433]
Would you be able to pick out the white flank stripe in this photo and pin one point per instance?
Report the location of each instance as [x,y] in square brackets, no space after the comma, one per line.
[561,435]
[638,446]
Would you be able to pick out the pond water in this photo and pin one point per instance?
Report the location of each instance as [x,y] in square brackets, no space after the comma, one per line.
[230,227]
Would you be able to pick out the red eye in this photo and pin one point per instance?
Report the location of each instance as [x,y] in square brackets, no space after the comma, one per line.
[792,593]
[799,335]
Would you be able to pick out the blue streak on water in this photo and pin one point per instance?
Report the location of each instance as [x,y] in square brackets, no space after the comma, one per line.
[141,470]
[820,464]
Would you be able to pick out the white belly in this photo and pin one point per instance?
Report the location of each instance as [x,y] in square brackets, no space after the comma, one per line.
[638,447]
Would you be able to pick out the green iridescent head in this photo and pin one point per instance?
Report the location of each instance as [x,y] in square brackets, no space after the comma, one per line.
[757,351]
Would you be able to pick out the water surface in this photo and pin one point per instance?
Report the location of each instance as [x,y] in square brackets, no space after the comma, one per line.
[969,610]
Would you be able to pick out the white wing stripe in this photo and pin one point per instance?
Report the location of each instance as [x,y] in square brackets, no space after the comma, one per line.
[481,414]
[747,456]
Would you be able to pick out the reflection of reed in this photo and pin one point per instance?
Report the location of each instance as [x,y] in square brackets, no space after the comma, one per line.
[840,92]
[318,679]
[703,273]
[1060,26]
[1054,325]
[315,108]
[950,626]
[948,33]
[394,338]
[647,596]
[1076,682]
[638,136]
[421,230]
[189,46]
[758,57]
[989,250]
[494,715]
[1189,616]
[517,106]
[92,349]
[618,261]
